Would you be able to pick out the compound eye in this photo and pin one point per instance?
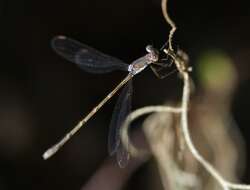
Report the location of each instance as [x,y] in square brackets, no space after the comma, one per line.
[149,48]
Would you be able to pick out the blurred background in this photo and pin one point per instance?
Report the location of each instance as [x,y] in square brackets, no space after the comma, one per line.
[42,95]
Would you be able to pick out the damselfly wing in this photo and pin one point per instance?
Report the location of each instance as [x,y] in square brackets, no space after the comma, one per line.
[121,111]
[87,58]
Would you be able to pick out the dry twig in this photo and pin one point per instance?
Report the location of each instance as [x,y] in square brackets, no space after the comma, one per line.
[183,69]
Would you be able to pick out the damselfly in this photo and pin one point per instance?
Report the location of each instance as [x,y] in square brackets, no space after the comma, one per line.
[93,61]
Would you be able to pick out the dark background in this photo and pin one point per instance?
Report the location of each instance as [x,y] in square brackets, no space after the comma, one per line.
[42,95]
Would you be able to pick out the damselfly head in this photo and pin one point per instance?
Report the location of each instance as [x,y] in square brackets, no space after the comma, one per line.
[153,54]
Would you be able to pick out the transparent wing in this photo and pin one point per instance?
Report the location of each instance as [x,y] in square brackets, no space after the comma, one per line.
[121,110]
[122,157]
[85,57]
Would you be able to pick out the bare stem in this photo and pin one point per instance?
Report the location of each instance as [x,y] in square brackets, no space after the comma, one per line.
[170,22]
[184,114]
